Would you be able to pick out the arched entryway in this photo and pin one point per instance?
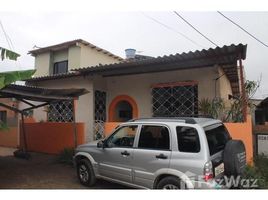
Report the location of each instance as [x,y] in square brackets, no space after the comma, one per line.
[122,108]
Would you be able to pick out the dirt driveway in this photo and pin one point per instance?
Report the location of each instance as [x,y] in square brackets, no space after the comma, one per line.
[42,171]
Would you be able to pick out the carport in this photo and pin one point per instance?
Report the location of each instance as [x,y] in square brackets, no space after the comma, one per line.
[43,96]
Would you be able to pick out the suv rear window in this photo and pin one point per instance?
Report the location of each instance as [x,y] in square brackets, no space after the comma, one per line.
[188,139]
[217,137]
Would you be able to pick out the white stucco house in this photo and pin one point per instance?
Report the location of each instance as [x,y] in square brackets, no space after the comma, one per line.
[121,89]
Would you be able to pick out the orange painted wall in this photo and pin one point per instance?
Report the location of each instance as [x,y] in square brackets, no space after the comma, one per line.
[243,131]
[9,138]
[52,137]
[109,127]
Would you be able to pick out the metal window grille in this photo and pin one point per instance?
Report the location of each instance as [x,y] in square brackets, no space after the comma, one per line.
[100,114]
[100,105]
[60,111]
[175,101]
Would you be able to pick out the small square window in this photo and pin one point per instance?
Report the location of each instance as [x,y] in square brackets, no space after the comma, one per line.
[60,67]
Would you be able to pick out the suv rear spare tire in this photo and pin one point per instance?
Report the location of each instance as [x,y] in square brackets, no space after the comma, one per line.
[234,158]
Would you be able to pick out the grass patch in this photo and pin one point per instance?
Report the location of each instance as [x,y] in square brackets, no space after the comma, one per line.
[258,171]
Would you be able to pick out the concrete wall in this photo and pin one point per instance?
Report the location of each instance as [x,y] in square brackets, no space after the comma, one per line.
[243,131]
[92,57]
[60,56]
[139,86]
[224,86]
[42,64]
[74,54]
[84,107]
[52,138]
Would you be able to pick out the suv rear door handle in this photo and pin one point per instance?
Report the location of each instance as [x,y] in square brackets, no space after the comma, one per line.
[125,153]
[161,156]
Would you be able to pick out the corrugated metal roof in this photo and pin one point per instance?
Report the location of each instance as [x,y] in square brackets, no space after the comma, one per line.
[225,56]
[65,45]
[40,94]
[54,76]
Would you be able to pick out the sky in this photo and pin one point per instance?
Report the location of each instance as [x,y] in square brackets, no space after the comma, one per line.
[117,30]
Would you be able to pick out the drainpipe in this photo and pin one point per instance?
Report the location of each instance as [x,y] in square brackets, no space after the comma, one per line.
[242,81]
[74,124]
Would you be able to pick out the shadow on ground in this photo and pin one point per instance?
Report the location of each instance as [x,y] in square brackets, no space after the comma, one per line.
[42,171]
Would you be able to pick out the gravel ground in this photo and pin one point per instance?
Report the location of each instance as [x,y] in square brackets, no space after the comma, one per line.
[42,171]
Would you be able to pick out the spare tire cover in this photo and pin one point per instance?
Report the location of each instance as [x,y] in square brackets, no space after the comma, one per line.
[234,158]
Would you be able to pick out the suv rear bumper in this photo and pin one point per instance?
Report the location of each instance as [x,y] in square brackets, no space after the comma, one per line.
[212,184]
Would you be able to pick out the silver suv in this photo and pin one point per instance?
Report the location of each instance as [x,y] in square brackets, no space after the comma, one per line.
[163,153]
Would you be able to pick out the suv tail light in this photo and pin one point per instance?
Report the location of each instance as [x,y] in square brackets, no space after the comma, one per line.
[208,171]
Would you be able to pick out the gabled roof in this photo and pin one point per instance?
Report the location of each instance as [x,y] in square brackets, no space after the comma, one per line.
[65,45]
[225,56]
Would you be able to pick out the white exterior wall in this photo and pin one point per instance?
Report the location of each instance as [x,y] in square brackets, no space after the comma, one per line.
[60,56]
[92,57]
[74,54]
[224,85]
[139,86]
[42,64]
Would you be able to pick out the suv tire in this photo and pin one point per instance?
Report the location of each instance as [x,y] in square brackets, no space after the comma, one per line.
[169,183]
[234,158]
[85,172]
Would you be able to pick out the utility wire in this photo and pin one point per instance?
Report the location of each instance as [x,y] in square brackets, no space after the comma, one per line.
[195,28]
[6,36]
[243,29]
[172,29]
[10,44]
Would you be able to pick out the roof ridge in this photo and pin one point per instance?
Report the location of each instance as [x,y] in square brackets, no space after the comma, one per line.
[70,43]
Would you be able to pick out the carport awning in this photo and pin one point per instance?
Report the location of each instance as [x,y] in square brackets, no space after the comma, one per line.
[40,94]
[27,93]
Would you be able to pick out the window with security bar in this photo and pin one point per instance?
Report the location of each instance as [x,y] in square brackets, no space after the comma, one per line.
[100,114]
[100,105]
[60,111]
[175,100]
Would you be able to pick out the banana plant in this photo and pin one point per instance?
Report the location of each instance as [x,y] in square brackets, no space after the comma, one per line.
[7,78]
[8,54]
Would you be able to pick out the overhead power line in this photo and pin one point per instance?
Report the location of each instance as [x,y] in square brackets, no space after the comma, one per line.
[9,43]
[172,29]
[243,29]
[195,28]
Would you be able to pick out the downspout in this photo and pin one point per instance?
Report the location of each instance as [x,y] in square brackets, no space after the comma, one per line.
[243,95]
[74,124]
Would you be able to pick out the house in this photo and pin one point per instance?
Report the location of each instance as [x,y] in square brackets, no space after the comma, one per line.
[123,89]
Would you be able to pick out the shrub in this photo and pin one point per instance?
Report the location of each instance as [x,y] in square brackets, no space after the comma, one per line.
[259,171]
[66,156]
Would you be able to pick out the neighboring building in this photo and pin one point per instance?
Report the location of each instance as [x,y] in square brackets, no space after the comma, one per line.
[163,86]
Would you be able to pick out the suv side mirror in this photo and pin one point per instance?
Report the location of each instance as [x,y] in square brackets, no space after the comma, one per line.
[101,144]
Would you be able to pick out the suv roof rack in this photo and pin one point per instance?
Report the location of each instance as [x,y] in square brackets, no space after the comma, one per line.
[188,120]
